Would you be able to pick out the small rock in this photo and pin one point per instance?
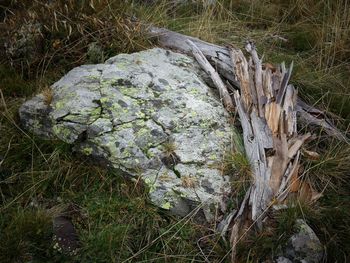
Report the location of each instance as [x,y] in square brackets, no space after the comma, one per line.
[65,237]
[304,246]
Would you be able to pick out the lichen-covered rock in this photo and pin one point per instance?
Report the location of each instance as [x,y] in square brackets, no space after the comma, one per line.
[149,114]
[304,246]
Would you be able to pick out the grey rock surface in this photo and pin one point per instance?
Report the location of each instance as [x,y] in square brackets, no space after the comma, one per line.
[149,114]
[304,246]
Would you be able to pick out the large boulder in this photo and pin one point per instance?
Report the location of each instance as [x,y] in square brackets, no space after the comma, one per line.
[148,114]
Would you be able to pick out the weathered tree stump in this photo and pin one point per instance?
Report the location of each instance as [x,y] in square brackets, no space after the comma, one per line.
[220,59]
[267,107]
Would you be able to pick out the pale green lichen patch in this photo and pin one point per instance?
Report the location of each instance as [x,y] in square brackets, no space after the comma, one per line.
[68,132]
[87,150]
[128,91]
[166,205]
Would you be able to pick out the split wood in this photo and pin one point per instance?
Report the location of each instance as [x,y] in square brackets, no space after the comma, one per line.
[267,108]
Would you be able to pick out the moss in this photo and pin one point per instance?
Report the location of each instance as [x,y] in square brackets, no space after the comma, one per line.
[264,244]
[95,53]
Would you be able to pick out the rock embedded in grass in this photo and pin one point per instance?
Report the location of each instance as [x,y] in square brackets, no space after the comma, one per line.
[303,246]
[128,110]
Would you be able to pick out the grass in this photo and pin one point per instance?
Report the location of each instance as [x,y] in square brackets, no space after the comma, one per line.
[270,241]
[25,233]
[36,176]
[236,163]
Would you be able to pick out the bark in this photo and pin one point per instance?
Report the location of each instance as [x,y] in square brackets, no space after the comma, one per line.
[215,77]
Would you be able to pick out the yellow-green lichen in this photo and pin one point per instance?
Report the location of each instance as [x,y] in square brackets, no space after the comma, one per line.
[121,65]
[95,112]
[128,91]
[59,105]
[87,150]
[183,194]
[150,154]
[142,132]
[212,157]
[94,77]
[125,126]
[62,132]
[205,123]
[219,133]
[140,114]
[166,205]
[194,113]
[36,126]
[104,99]
[194,91]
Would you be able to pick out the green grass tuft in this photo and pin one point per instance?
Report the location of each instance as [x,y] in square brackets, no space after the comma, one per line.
[25,235]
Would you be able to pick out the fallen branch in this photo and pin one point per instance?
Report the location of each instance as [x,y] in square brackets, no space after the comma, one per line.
[220,59]
[207,67]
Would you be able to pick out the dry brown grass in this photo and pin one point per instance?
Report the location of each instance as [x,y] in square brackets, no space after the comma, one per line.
[189,182]
[48,95]
[66,28]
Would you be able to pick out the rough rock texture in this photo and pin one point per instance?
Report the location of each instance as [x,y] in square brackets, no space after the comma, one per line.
[304,246]
[149,114]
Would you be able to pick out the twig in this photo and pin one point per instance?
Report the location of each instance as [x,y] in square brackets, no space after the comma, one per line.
[208,68]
